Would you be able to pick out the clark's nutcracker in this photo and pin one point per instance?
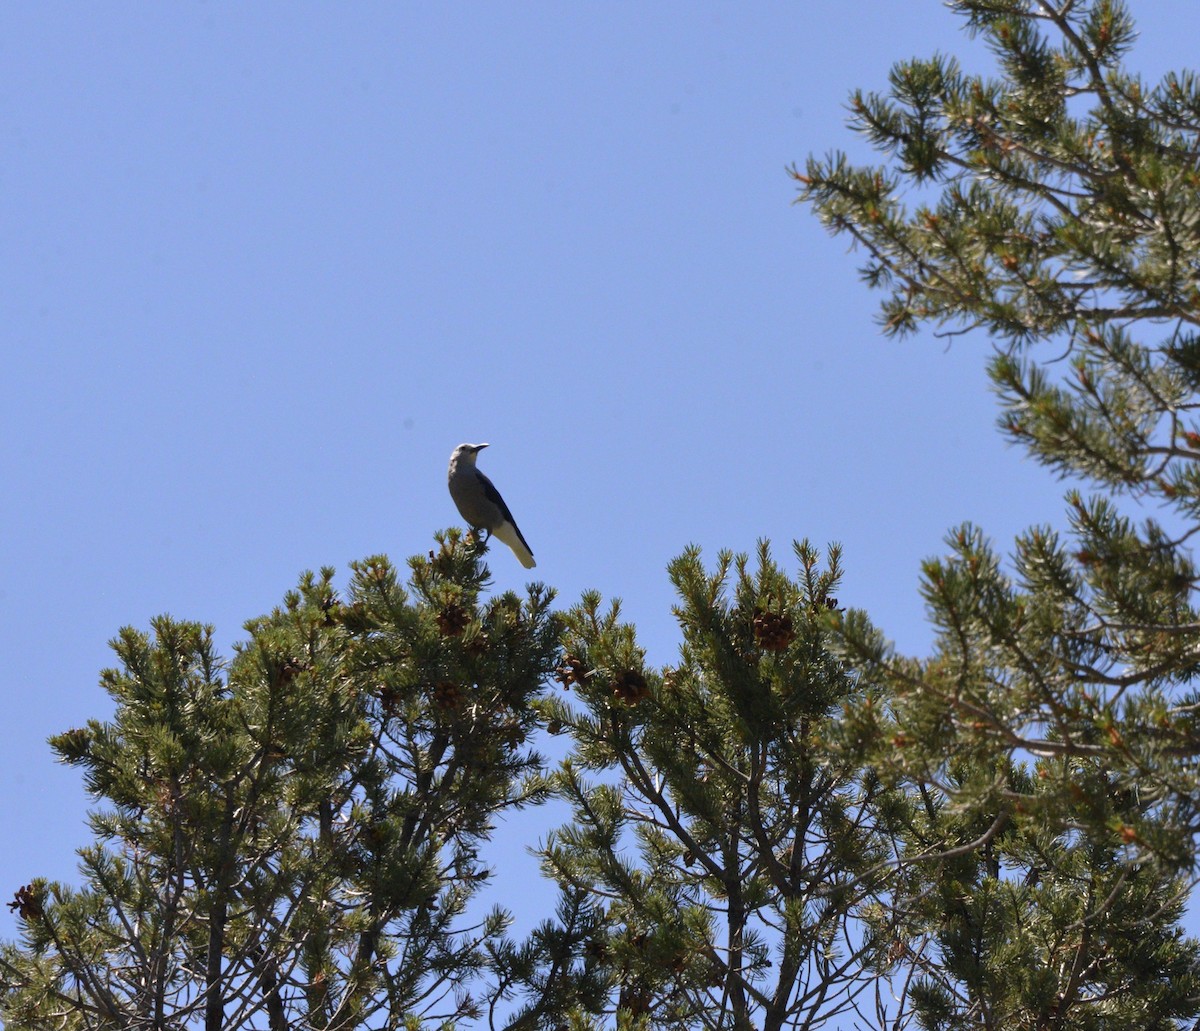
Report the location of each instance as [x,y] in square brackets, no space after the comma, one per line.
[480,504]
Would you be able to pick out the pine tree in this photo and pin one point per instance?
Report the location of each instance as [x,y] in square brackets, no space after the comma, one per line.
[290,839]
[735,867]
[1053,207]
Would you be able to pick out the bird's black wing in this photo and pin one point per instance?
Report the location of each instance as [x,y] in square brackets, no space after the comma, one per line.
[493,495]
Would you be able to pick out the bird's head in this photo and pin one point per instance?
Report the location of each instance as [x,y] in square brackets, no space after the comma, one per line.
[467,452]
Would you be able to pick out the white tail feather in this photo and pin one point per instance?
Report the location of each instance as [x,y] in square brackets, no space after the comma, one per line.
[512,537]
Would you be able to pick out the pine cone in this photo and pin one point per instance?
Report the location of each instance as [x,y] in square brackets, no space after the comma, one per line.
[596,949]
[388,697]
[26,903]
[630,686]
[773,631]
[290,669]
[635,998]
[446,694]
[572,671]
[452,620]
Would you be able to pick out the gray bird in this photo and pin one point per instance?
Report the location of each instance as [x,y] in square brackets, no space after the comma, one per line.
[480,504]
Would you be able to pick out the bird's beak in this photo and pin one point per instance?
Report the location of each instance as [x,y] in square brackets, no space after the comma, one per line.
[480,447]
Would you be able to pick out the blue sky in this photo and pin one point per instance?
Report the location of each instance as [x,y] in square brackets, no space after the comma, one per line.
[266,264]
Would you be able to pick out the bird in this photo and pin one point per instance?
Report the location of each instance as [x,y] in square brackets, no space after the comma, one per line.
[481,505]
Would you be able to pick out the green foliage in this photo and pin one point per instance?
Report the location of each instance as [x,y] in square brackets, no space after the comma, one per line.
[292,837]
[1053,727]
[1057,203]
[738,863]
